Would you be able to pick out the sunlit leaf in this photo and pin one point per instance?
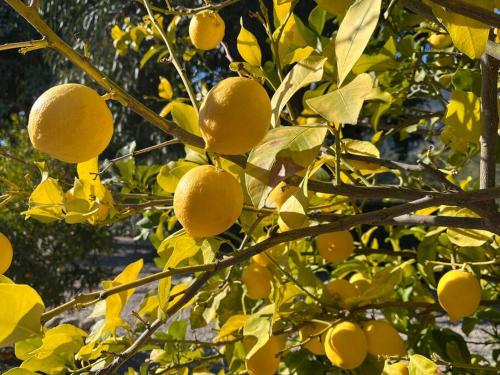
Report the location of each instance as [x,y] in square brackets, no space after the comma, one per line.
[248,46]
[342,106]
[233,324]
[469,35]
[165,90]
[302,74]
[419,365]
[463,122]
[20,313]
[354,34]
[283,152]
[46,201]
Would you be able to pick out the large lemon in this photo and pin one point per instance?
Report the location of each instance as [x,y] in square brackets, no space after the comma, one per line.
[206,29]
[70,122]
[335,246]
[235,116]
[207,201]
[383,339]
[5,253]
[258,281]
[459,294]
[266,360]
[346,346]
[316,334]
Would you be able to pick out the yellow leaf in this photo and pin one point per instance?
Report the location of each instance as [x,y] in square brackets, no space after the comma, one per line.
[187,118]
[231,325]
[302,74]
[466,237]
[149,306]
[46,201]
[19,371]
[176,248]
[342,106]
[177,291]
[62,341]
[468,35]
[293,213]
[248,46]
[170,174]
[165,89]
[336,7]
[354,34]
[463,121]
[298,54]
[20,313]
[116,302]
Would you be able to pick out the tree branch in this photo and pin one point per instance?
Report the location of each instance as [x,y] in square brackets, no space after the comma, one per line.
[25,47]
[472,11]
[182,11]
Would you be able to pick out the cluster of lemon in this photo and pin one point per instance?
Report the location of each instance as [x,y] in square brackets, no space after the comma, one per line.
[346,344]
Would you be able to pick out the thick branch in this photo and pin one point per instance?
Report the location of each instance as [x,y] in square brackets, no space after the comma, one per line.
[489,106]
[472,11]
[144,337]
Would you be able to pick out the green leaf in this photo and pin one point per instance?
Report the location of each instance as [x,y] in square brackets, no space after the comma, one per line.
[468,35]
[343,105]
[176,248]
[19,371]
[20,313]
[293,213]
[248,46]
[467,237]
[302,74]
[419,365]
[153,50]
[231,325]
[354,34]
[283,152]
[336,7]
[259,325]
[463,122]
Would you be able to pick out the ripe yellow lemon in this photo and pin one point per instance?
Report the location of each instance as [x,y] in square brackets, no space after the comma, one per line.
[398,368]
[235,116]
[439,40]
[6,253]
[258,281]
[346,346]
[70,122]
[207,201]
[459,294]
[342,290]
[383,339]
[281,193]
[265,361]
[316,344]
[335,246]
[206,29]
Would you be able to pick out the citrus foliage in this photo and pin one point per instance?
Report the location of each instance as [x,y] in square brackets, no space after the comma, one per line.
[283,221]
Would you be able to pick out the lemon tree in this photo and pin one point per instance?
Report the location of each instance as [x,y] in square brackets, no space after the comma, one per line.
[283,222]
